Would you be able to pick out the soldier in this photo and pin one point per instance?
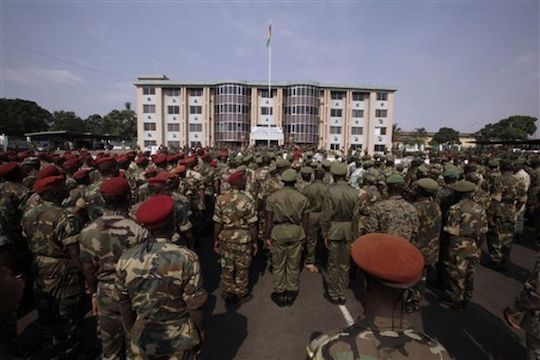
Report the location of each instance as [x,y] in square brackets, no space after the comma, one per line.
[525,180]
[368,195]
[326,164]
[235,238]
[159,289]
[314,192]
[394,215]
[427,240]
[107,168]
[390,265]
[52,235]
[102,242]
[467,227]
[286,212]
[306,174]
[525,313]
[336,225]
[13,197]
[355,178]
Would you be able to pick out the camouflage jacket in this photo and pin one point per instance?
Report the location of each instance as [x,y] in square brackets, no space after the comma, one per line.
[13,198]
[182,211]
[49,229]
[94,200]
[270,185]
[466,219]
[429,230]
[394,216]
[235,210]
[376,338]
[508,188]
[337,212]
[104,240]
[287,206]
[528,302]
[368,195]
[161,282]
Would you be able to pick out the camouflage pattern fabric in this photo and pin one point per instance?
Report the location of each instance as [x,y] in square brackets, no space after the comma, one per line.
[161,282]
[94,200]
[427,240]
[376,338]
[367,196]
[13,198]
[394,216]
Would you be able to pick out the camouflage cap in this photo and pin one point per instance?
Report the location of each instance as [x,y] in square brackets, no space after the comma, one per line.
[427,184]
[338,169]
[395,179]
[464,186]
[289,175]
[282,163]
[306,170]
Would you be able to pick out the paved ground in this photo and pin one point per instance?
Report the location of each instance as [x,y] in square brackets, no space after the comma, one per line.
[261,330]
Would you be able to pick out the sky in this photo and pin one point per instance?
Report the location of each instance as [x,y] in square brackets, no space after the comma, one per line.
[461,64]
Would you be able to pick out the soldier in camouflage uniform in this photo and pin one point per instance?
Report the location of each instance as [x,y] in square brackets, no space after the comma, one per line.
[13,197]
[525,313]
[286,212]
[314,192]
[30,168]
[107,168]
[427,240]
[394,215]
[52,235]
[336,225]
[159,289]
[376,335]
[235,234]
[368,195]
[101,244]
[466,226]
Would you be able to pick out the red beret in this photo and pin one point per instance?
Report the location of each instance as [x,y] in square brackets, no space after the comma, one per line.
[180,169]
[23,154]
[49,170]
[71,163]
[155,212]
[9,167]
[81,174]
[200,152]
[162,178]
[171,158]
[390,258]
[123,159]
[115,186]
[141,159]
[47,183]
[160,159]
[105,160]
[236,178]
[213,163]
[191,160]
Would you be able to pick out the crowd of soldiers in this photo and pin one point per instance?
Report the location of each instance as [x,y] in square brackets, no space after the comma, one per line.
[123,232]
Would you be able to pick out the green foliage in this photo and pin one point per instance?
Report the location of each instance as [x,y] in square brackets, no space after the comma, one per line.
[68,121]
[446,136]
[515,127]
[18,117]
[419,137]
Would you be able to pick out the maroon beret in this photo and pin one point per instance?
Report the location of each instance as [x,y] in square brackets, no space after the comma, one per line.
[391,259]
[105,160]
[47,183]
[180,169]
[81,174]
[160,159]
[9,167]
[155,212]
[71,163]
[115,186]
[141,159]
[236,178]
[213,163]
[123,159]
[49,170]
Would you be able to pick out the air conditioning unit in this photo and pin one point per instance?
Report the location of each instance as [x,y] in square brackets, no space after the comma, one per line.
[357,105]
[337,104]
[380,121]
[149,99]
[149,117]
[379,138]
[174,136]
[174,117]
[196,136]
[382,104]
[195,101]
[173,100]
[355,139]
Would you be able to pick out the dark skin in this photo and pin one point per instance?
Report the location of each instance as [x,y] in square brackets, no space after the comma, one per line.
[381,300]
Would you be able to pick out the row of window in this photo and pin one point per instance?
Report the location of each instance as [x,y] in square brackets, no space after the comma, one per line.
[266,110]
[381,113]
[301,128]
[232,127]
[233,90]
[231,109]
[302,91]
[300,110]
[171,92]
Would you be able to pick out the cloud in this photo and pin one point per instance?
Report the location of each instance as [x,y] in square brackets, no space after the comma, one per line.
[40,76]
[117,95]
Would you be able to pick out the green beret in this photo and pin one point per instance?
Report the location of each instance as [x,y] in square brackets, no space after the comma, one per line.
[395,179]
[427,184]
[271,155]
[423,169]
[289,175]
[306,170]
[326,163]
[450,173]
[338,168]
[473,177]
[493,162]
[282,163]
[315,164]
[464,186]
[290,157]
[368,163]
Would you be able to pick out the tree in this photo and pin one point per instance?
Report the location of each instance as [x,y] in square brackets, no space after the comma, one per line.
[94,124]
[419,136]
[18,117]
[121,123]
[515,127]
[68,121]
[445,136]
[396,131]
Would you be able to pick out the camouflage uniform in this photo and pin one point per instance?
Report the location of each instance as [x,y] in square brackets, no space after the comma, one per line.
[376,338]
[94,200]
[336,224]
[235,211]
[287,206]
[13,198]
[160,282]
[367,197]
[102,242]
[314,192]
[58,289]
[394,216]
[269,186]
[466,225]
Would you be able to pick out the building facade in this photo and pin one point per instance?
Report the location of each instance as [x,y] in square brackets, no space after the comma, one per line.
[235,113]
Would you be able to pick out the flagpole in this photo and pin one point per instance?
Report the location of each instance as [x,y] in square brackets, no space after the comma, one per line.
[269,81]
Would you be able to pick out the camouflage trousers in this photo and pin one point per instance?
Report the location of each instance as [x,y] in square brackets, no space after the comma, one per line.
[235,263]
[501,226]
[286,265]
[463,257]
[59,319]
[339,263]
[533,347]
[312,237]
[111,327]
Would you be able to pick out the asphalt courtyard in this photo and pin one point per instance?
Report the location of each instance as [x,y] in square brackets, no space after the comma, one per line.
[261,330]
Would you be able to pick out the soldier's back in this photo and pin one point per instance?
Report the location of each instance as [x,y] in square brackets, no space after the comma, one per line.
[429,229]
[393,216]
[315,193]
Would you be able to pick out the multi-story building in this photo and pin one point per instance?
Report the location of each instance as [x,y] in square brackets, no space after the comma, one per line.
[235,113]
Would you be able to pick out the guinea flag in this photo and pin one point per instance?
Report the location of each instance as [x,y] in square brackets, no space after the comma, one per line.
[269,35]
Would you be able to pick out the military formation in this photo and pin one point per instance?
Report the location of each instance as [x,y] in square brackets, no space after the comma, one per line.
[123,232]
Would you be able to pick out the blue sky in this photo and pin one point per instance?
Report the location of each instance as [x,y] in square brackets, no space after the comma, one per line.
[460,64]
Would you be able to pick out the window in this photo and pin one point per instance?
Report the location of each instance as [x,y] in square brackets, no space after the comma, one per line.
[265,110]
[195,109]
[334,146]
[336,95]
[195,144]
[173,144]
[149,109]
[357,130]
[358,113]
[356,146]
[381,113]
[172,92]
[148,90]
[173,109]
[380,148]
[173,127]
[383,131]
[335,129]
[195,127]
[195,92]
[264,93]
[148,143]
[357,96]
[149,126]
[336,112]
[382,96]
